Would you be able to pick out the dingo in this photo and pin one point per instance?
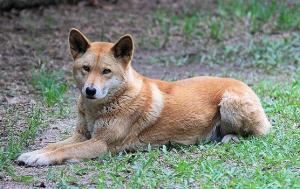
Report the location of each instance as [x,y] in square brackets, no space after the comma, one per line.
[119,109]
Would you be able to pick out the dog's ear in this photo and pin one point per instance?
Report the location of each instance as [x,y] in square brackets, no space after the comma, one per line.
[123,49]
[78,43]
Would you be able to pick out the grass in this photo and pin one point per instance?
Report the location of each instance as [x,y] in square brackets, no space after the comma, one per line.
[253,16]
[216,28]
[50,85]
[177,60]
[289,17]
[258,13]
[271,54]
[202,30]
[190,23]
[52,90]
[267,53]
[16,142]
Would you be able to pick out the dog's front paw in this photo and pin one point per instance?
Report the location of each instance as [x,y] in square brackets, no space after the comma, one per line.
[23,157]
[38,160]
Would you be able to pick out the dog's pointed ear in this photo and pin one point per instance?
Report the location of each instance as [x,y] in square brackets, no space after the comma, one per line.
[78,43]
[123,49]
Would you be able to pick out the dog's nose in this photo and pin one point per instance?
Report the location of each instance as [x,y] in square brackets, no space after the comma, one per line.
[90,91]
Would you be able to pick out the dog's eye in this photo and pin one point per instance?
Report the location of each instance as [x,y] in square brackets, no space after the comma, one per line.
[106,71]
[86,68]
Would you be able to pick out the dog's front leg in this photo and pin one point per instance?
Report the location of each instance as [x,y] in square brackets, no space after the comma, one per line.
[81,134]
[83,150]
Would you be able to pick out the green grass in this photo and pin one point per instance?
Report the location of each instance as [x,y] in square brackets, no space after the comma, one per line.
[253,16]
[17,141]
[258,13]
[177,60]
[52,90]
[190,24]
[216,28]
[50,85]
[267,53]
[289,17]
[270,54]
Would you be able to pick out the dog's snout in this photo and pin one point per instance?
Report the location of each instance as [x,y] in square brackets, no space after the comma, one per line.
[90,91]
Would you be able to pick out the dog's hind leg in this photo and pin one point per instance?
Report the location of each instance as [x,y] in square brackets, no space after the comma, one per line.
[242,114]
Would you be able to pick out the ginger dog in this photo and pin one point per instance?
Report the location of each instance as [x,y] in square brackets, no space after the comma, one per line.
[119,109]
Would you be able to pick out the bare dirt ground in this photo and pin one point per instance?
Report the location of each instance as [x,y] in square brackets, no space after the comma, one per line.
[32,38]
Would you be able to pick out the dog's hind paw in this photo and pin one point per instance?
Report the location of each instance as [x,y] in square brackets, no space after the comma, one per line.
[230,137]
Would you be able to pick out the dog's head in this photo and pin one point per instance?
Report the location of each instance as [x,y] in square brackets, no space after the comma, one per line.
[100,69]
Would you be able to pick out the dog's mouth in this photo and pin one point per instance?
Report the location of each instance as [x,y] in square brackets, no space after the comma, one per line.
[90,97]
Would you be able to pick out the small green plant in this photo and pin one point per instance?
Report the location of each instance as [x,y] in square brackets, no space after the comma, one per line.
[159,16]
[190,24]
[183,168]
[50,21]
[178,60]
[289,18]
[50,85]
[269,53]
[216,28]
[260,12]
[162,20]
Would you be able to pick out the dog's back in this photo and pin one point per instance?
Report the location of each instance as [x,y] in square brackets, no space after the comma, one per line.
[194,108]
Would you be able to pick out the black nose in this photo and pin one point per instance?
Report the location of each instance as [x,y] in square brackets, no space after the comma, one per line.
[90,91]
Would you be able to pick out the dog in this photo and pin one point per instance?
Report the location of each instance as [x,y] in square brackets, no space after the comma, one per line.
[119,109]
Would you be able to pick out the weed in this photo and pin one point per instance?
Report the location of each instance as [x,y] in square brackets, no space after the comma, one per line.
[190,24]
[50,21]
[260,12]
[162,20]
[216,28]
[156,42]
[178,60]
[289,17]
[51,87]
[160,16]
